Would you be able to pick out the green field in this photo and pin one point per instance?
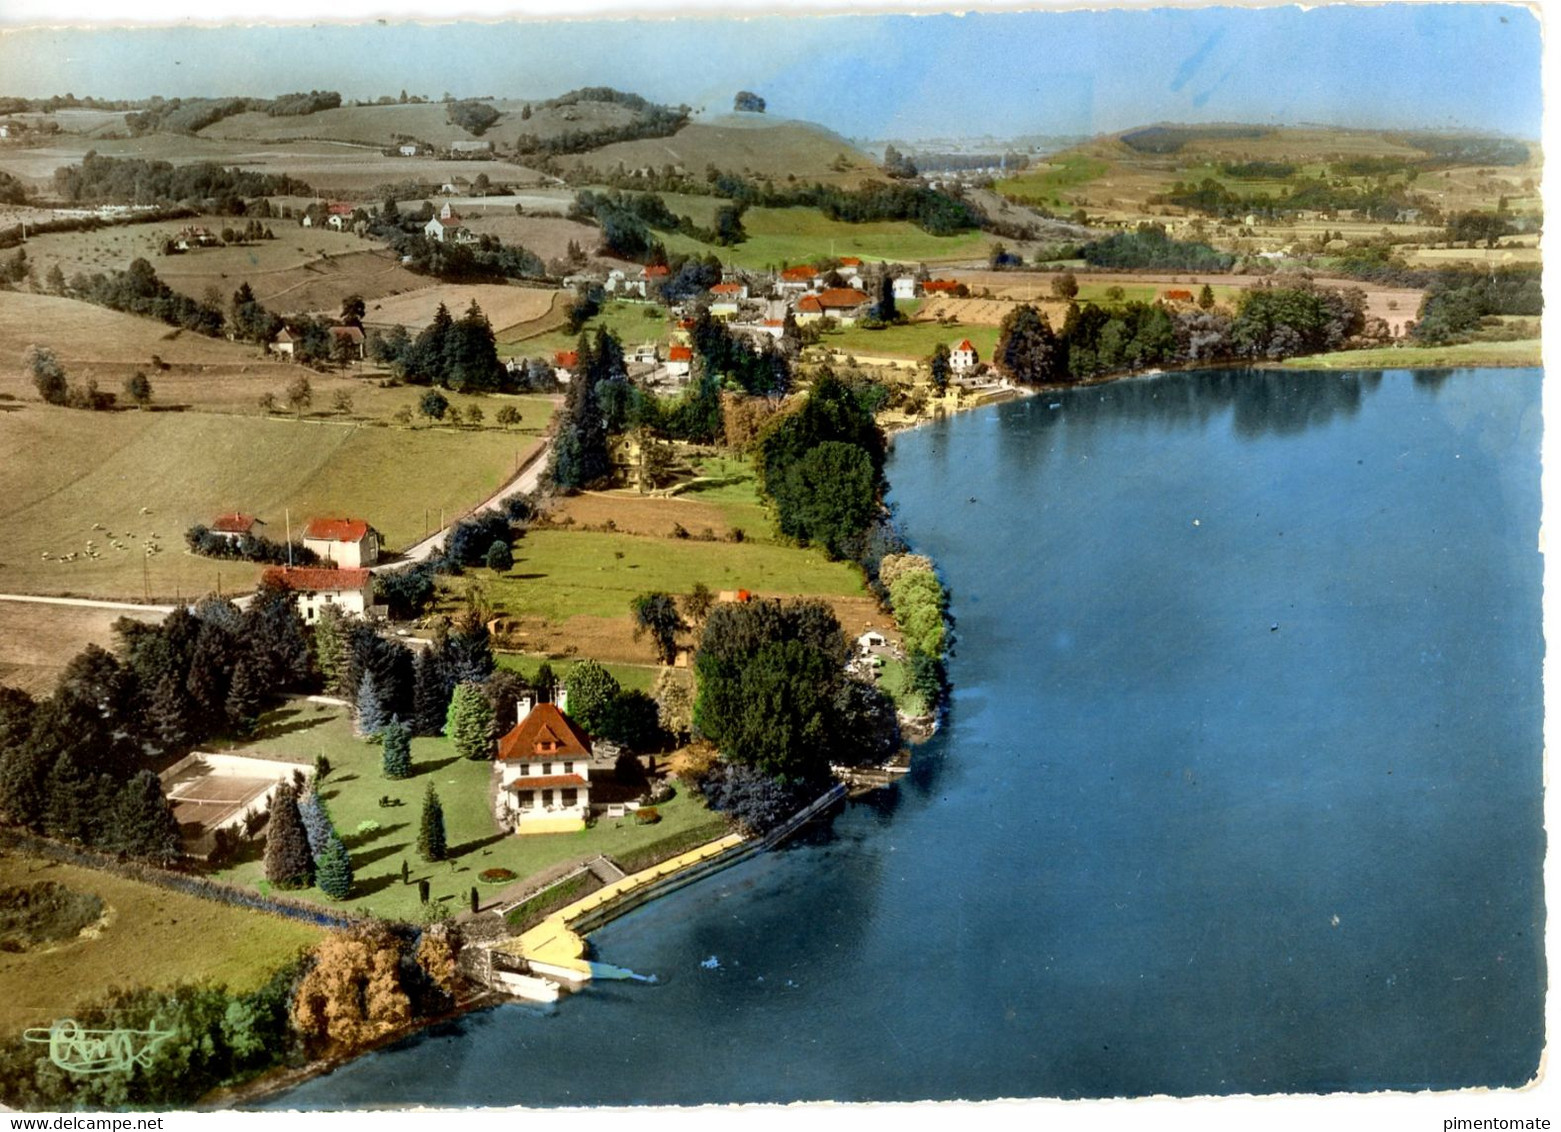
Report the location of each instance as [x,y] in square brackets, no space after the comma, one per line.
[144,474]
[911,340]
[635,677]
[1525,352]
[150,940]
[301,730]
[1064,172]
[796,235]
[562,574]
[633,323]
[892,679]
[730,483]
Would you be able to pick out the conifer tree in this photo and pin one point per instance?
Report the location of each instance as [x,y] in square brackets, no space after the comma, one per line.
[246,694]
[371,711]
[333,869]
[316,822]
[288,863]
[430,693]
[329,645]
[169,715]
[430,834]
[141,823]
[470,723]
[397,740]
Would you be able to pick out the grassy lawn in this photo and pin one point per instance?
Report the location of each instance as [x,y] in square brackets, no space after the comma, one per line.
[731,484]
[796,235]
[150,940]
[1521,353]
[633,323]
[301,730]
[892,678]
[156,474]
[562,574]
[635,677]
[912,340]
[1067,171]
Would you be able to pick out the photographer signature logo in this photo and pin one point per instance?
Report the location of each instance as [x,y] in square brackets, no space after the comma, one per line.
[77,1050]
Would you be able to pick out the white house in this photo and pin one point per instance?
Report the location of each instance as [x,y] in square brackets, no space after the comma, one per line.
[434,229]
[235,525]
[408,151]
[680,362]
[351,591]
[448,214]
[905,287]
[283,342]
[962,358]
[346,542]
[797,279]
[544,769]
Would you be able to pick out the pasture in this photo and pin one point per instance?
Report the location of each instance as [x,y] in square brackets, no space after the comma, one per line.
[910,340]
[303,269]
[778,236]
[38,641]
[546,236]
[633,323]
[141,479]
[147,937]
[299,731]
[759,146]
[505,305]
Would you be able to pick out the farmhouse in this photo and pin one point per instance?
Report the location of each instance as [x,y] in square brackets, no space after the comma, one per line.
[905,286]
[680,361]
[963,358]
[448,214]
[346,542]
[845,304]
[351,591]
[236,525]
[408,151]
[565,362]
[798,279]
[1177,296]
[656,273]
[352,336]
[940,287]
[544,769]
[850,266]
[284,341]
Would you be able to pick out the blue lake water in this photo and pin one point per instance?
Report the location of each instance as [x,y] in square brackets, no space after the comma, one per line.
[1240,790]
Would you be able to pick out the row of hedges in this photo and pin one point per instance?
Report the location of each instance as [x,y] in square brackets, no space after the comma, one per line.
[532,911]
[648,856]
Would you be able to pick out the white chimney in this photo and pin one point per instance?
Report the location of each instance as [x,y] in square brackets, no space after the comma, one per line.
[522,708]
[561,698]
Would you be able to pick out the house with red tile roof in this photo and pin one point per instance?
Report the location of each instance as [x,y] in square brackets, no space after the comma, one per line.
[1177,296]
[544,770]
[351,591]
[235,525]
[346,542]
[940,286]
[565,362]
[850,266]
[962,358]
[680,361]
[844,304]
[352,336]
[800,278]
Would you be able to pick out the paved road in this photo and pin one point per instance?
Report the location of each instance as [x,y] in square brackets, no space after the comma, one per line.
[88,603]
[525,480]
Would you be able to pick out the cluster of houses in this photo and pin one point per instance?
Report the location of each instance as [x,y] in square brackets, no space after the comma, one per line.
[348,546]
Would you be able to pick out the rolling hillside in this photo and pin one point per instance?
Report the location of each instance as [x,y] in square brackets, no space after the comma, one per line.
[764,147]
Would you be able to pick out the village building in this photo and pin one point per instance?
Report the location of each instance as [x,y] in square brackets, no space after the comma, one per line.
[353,337]
[315,588]
[1177,296]
[850,267]
[797,279]
[408,151]
[346,542]
[905,287]
[940,287]
[963,358]
[565,363]
[653,276]
[843,304]
[544,769]
[284,342]
[235,525]
[680,362]
[448,214]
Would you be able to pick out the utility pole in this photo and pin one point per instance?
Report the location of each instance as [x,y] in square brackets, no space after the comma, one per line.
[287,517]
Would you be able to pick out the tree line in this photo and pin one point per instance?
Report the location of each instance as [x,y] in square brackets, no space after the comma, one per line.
[138,181]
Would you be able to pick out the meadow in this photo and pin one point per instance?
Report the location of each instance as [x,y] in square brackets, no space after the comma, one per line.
[756,145]
[1524,352]
[505,306]
[633,323]
[146,474]
[146,941]
[300,731]
[38,641]
[781,236]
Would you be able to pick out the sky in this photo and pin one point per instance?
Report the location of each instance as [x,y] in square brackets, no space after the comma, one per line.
[866,76]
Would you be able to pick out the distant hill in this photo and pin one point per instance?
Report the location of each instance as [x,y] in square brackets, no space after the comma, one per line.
[761,146]
[1118,174]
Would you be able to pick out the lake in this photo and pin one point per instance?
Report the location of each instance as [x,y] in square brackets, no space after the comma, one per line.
[1240,789]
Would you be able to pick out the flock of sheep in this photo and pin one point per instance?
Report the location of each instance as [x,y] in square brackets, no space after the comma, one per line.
[150,545]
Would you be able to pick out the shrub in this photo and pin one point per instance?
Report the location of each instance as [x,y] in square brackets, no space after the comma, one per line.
[496,876]
[647,815]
